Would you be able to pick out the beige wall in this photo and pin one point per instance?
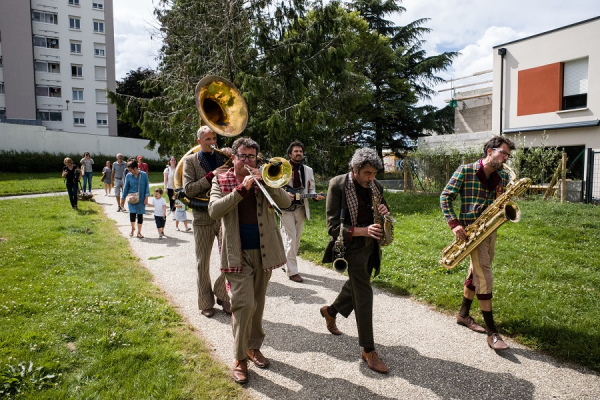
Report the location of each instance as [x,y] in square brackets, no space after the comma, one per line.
[17,58]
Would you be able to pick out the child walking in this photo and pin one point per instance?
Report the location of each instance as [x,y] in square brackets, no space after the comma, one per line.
[160,212]
[180,215]
[106,176]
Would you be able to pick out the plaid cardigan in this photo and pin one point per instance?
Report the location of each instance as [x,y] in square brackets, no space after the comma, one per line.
[475,190]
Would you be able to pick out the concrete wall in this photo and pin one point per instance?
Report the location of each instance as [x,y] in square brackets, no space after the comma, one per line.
[458,141]
[39,139]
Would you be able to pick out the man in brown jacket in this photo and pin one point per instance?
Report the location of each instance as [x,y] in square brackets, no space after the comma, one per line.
[199,170]
[251,248]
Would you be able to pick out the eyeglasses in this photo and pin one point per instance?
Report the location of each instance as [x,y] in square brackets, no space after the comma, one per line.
[250,157]
[502,152]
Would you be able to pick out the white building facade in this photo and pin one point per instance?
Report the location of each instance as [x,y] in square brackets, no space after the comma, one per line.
[57,61]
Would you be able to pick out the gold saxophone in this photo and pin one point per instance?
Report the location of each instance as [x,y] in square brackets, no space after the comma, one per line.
[339,249]
[385,221]
[497,213]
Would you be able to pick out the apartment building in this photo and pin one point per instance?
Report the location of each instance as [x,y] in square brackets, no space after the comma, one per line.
[57,61]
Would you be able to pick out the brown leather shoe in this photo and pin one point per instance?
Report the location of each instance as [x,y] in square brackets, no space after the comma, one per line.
[296,278]
[258,359]
[374,362]
[470,323]
[209,312]
[330,321]
[240,371]
[495,342]
[226,306]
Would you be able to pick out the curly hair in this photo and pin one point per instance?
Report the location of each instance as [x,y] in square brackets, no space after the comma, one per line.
[497,141]
[295,143]
[246,142]
[363,157]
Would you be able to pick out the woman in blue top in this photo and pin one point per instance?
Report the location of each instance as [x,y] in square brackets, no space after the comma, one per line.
[136,182]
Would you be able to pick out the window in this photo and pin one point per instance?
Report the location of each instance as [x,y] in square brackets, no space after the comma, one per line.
[73,2]
[75,47]
[50,115]
[78,118]
[77,94]
[74,23]
[45,17]
[102,119]
[48,91]
[99,49]
[0,61]
[1,87]
[76,71]
[98,4]
[575,84]
[100,73]
[47,42]
[100,96]
[45,66]
[98,26]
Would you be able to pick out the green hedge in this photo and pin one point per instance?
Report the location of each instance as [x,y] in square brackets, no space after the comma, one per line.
[14,161]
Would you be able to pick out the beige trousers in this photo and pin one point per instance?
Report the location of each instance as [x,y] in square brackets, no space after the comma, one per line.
[248,291]
[204,236]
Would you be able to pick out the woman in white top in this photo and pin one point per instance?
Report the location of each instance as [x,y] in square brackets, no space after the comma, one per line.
[169,175]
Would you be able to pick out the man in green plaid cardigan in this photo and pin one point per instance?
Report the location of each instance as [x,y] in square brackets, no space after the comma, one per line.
[478,185]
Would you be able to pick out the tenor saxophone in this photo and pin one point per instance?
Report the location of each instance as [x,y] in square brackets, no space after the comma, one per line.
[339,249]
[497,213]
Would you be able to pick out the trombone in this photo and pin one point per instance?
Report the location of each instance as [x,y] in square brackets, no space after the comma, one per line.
[276,173]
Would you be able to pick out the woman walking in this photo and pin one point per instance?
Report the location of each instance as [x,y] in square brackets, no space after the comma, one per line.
[136,191]
[86,163]
[169,175]
[71,174]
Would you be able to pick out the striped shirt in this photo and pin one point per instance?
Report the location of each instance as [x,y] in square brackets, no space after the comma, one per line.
[476,193]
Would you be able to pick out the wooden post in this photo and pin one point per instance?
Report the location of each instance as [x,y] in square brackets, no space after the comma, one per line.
[563,186]
[550,188]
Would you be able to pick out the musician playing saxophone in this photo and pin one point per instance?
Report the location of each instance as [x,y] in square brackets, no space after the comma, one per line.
[354,192]
[478,185]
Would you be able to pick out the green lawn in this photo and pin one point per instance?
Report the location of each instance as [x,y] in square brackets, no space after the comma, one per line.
[546,270]
[81,318]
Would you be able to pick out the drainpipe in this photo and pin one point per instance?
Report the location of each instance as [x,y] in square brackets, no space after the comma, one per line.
[501,53]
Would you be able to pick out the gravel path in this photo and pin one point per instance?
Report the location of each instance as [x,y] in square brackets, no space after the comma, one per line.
[429,355]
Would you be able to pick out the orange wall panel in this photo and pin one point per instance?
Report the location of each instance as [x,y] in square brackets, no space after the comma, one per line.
[540,89]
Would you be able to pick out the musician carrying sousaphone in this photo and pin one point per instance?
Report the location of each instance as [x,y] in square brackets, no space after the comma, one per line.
[478,184]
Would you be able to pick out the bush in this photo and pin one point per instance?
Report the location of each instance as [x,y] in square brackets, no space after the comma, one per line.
[29,162]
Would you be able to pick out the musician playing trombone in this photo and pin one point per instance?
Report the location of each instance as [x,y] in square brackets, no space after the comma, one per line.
[251,248]
[350,208]
[199,170]
[478,185]
[292,220]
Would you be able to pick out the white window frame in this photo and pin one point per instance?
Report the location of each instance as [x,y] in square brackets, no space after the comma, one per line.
[77,95]
[45,17]
[47,66]
[575,84]
[74,3]
[102,119]
[78,71]
[50,114]
[75,23]
[48,91]
[75,43]
[78,118]
[1,87]
[49,42]
[99,50]
[98,26]
[101,96]
[102,75]
[98,4]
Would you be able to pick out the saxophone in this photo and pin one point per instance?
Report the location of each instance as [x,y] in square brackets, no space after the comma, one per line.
[339,262]
[385,221]
[500,211]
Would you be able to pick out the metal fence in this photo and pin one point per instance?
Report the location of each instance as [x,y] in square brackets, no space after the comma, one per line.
[592,190]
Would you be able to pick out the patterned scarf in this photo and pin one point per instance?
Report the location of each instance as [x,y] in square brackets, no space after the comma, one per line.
[352,199]
[227,181]
[206,165]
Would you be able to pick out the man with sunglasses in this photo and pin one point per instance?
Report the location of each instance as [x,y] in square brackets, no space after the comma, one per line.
[478,185]
[251,247]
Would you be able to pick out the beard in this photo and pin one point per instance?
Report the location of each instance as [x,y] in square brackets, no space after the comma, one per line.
[498,166]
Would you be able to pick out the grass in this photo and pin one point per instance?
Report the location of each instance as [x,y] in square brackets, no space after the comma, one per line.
[12,184]
[546,275]
[81,318]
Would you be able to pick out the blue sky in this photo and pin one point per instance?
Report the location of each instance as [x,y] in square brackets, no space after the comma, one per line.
[471,27]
